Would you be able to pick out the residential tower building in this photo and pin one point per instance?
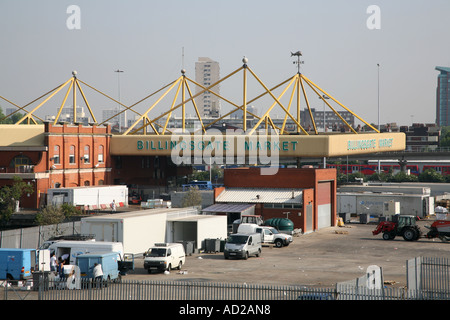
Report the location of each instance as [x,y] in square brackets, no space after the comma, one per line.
[207,72]
[443,97]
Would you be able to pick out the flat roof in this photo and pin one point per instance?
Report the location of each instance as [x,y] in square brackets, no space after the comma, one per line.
[228,207]
[193,218]
[141,213]
[103,186]
[22,136]
[381,194]
[261,195]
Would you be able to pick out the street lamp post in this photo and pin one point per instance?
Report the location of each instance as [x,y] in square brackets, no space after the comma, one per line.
[378,93]
[378,65]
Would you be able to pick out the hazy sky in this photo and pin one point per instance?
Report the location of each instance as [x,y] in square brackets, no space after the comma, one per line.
[146,39]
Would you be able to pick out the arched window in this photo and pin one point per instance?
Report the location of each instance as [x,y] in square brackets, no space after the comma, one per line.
[87,154]
[72,154]
[56,155]
[100,154]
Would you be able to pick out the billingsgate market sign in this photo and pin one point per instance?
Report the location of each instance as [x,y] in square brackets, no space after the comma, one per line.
[225,147]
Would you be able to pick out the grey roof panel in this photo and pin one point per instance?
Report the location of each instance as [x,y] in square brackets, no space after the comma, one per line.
[260,195]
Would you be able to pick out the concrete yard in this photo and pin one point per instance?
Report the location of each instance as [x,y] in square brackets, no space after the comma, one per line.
[319,259]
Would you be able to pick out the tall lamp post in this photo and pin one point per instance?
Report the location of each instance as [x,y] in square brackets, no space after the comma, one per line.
[118,84]
[378,93]
[378,76]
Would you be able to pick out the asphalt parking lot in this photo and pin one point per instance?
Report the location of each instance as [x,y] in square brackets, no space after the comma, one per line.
[318,259]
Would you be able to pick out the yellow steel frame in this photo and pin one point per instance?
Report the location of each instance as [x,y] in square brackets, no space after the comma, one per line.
[19,108]
[297,82]
[72,84]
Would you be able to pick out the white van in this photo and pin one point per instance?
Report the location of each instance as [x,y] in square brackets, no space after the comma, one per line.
[268,234]
[241,245]
[74,248]
[164,256]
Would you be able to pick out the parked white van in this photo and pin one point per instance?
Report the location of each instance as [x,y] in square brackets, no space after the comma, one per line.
[164,256]
[72,249]
[268,234]
[241,245]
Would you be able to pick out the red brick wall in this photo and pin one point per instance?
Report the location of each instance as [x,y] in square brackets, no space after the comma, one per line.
[284,178]
[78,137]
[64,173]
[305,178]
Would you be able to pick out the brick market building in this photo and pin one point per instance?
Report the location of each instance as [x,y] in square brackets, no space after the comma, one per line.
[51,156]
[308,195]
[74,155]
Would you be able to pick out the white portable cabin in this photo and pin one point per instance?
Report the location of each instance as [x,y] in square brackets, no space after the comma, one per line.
[196,228]
[378,203]
[95,197]
[140,230]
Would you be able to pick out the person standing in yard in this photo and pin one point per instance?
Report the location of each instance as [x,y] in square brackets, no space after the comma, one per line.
[98,273]
[53,263]
[113,206]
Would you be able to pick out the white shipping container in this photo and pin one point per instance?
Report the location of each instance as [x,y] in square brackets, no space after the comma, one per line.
[197,228]
[375,203]
[94,196]
[346,203]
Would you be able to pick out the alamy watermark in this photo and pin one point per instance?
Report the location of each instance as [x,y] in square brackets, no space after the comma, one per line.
[232,147]
[373,22]
[73,22]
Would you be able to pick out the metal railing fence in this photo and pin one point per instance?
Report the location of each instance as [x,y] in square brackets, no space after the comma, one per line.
[429,276]
[178,290]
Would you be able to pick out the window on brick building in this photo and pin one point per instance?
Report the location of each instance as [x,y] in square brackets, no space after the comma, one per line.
[86,155]
[56,158]
[19,161]
[72,154]
[100,154]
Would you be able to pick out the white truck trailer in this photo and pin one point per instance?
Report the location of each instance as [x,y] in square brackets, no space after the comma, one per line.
[95,197]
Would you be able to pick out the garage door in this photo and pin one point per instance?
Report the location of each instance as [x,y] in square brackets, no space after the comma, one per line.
[324,216]
[324,205]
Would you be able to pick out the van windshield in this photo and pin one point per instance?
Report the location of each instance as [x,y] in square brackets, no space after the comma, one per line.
[156,252]
[237,239]
[45,245]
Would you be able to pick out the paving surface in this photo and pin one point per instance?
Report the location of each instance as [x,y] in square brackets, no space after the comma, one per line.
[318,259]
[321,258]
